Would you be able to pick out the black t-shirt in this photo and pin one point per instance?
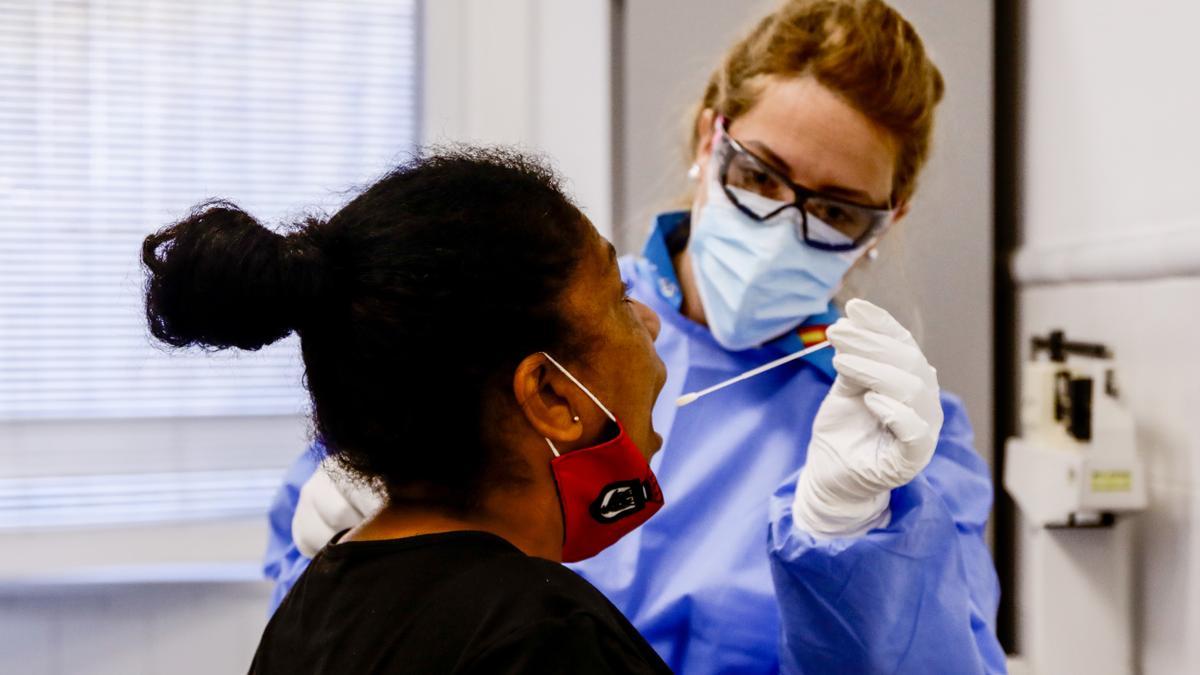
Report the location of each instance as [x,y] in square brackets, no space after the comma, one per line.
[458,602]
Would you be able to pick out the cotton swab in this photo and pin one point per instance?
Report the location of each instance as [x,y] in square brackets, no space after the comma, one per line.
[688,398]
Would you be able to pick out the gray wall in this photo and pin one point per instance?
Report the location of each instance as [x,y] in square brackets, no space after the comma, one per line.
[935,273]
[1110,252]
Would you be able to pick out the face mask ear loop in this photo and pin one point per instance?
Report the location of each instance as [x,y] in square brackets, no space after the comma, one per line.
[714,160]
[580,385]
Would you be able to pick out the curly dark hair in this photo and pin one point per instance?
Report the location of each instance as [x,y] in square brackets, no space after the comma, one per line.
[413,304]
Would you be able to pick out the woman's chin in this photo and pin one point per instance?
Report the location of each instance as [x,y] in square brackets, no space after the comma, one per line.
[656,443]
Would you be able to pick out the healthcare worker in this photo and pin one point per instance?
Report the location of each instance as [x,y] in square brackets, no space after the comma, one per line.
[827,516]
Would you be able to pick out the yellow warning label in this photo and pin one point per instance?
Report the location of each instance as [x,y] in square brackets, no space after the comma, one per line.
[1112,481]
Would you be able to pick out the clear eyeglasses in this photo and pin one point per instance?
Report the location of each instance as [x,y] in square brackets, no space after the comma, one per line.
[760,191]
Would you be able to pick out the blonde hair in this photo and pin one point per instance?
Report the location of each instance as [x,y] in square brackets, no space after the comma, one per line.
[863,50]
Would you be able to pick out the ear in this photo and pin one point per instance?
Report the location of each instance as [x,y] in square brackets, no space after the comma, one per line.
[704,149]
[898,214]
[704,137]
[549,401]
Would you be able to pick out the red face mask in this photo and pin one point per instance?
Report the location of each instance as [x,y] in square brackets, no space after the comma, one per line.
[606,490]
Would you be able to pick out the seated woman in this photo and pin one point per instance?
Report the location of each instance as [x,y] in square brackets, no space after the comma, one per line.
[469,348]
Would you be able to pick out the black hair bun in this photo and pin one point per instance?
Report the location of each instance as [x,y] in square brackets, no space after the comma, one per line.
[219,279]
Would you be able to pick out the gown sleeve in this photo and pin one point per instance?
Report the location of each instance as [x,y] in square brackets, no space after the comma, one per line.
[917,596]
[283,562]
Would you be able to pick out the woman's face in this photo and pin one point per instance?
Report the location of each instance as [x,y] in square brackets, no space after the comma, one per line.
[620,366]
[811,135]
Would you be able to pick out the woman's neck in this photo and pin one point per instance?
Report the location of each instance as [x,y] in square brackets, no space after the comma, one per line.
[529,519]
[691,307]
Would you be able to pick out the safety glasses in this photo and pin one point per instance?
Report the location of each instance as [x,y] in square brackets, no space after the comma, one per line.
[760,191]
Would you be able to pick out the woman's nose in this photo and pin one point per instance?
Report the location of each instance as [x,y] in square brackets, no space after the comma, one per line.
[649,319]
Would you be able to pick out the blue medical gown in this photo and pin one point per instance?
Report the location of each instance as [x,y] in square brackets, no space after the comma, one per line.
[283,562]
[720,582]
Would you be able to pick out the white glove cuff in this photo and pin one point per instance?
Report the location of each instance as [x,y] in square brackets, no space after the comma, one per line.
[328,504]
[824,518]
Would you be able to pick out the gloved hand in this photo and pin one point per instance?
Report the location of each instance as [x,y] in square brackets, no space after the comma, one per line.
[875,431]
[329,503]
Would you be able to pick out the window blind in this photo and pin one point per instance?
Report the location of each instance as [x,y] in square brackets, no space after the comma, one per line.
[116,116]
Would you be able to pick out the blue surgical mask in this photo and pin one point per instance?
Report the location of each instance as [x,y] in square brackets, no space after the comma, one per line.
[758,280]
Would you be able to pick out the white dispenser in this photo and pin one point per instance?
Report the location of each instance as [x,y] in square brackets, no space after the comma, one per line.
[1074,473]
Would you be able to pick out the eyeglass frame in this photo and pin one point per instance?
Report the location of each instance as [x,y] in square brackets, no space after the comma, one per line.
[802,193]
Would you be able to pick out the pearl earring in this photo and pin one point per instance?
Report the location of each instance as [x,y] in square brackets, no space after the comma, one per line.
[694,172]
[575,419]
[873,254]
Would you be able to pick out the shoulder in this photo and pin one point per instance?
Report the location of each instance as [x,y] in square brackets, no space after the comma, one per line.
[580,642]
[537,587]
[555,621]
